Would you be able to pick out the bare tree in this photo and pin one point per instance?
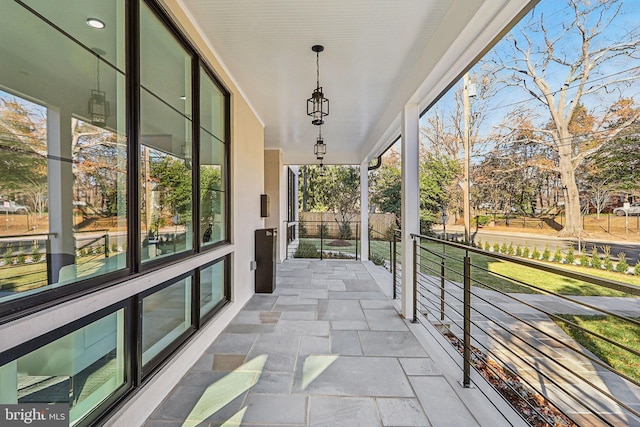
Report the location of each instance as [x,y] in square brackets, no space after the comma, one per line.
[562,64]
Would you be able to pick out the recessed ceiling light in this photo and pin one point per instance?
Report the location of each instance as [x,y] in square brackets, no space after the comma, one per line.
[184,98]
[95,23]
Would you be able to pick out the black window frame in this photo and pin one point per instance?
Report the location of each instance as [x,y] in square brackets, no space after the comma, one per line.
[23,306]
[157,361]
[130,382]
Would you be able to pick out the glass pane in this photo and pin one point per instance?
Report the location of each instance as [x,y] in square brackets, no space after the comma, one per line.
[63,145]
[166,186]
[165,67]
[166,314]
[73,18]
[212,110]
[81,369]
[212,177]
[211,287]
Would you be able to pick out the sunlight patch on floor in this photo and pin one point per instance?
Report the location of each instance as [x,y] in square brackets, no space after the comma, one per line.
[314,365]
[225,390]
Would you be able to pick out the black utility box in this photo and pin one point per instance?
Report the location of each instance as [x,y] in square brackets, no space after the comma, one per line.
[265,256]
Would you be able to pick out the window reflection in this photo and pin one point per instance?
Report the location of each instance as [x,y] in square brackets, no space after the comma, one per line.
[212,290]
[166,314]
[166,204]
[82,369]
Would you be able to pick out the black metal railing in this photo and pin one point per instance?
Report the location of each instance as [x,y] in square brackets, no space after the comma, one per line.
[25,263]
[325,240]
[553,355]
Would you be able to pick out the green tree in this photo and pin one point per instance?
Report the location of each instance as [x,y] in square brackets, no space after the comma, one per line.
[174,177]
[385,189]
[437,173]
[559,67]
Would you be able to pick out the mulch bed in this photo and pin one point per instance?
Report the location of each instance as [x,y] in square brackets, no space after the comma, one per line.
[532,406]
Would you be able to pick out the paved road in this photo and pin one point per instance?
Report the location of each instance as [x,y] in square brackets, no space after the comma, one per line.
[631,249]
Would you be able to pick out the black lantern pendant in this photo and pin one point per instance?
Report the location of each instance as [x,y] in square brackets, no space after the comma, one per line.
[98,104]
[320,149]
[317,105]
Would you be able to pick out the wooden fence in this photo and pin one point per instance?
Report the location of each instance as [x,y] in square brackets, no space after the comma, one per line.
[380,222]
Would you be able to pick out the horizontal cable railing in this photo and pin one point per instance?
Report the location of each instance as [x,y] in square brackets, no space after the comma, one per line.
[396,269]
[558,358]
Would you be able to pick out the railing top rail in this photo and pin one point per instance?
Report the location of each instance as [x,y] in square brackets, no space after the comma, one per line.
[98,230]
[611,284]
[15,236]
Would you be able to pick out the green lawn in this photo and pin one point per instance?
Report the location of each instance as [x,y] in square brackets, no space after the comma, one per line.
[24,277]
[485,271]
[616,329]
[377,246]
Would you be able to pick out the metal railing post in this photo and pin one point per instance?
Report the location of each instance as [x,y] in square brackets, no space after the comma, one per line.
[442,289]
[106,244]
[321,237]
[357,238]
[415,280]
[394,269]
[466,381]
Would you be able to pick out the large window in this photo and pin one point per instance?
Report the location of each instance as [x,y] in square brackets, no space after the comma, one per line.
[114,153]
[83,369]
[69,212]
[63,144]
[166,137]
[213,155]
[166,315]
[213,289]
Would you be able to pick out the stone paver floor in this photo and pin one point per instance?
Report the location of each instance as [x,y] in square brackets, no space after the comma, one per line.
[327,348]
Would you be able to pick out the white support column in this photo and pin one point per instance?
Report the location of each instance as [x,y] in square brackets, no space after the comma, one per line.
[410,201]
[364,210]
[60,174]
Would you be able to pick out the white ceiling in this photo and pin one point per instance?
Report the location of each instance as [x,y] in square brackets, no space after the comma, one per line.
[379,55]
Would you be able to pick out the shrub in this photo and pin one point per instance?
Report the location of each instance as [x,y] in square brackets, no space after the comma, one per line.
[83,252]
[607,263]
[35,254]
[480,220]
[496,247]
[546,254]
[306,250]
[535,254]
[636,269]
[584,260]
[323,230]
[510,249]
[114,247]
[525,252]
[596,262]
[345,231]
[570,258]
[377,259]
[487,246]
[518,251]
[302,229]
[622,265]
[557,256]
[504,248]
[20,259]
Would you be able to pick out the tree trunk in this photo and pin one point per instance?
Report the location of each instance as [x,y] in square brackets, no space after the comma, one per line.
[573,222]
